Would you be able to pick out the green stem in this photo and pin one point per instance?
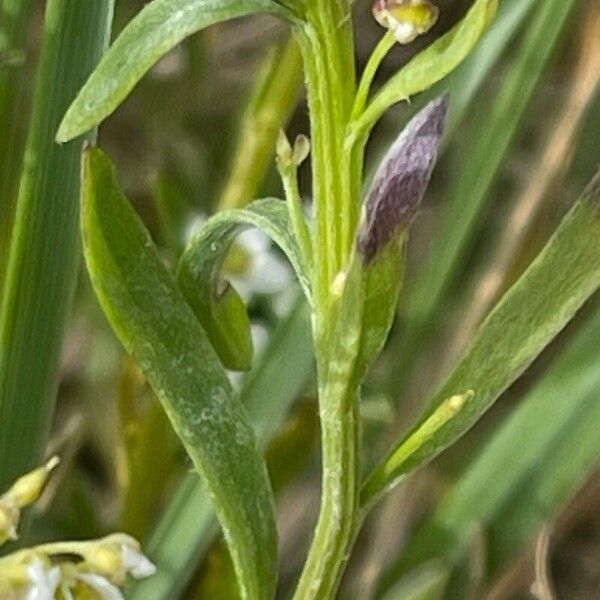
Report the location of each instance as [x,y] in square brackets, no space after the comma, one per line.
[384,45]
[289,179]
[44,255]
[336,525]
[327,49]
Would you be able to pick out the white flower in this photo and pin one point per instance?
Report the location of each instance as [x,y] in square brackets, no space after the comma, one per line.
[101,585]
[266,273]
[44,581]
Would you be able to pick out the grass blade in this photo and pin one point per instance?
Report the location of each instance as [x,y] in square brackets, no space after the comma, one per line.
[533,311]
[158,28]
[159,329]
[44,255]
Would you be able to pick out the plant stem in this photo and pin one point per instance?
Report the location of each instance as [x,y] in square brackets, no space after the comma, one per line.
[337,517]
[384,45]
[44,255]
[327,49]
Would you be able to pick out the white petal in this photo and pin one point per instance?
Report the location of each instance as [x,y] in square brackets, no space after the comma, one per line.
[136,563]
[44,581]
[270,274]
[104,588]
[254,241]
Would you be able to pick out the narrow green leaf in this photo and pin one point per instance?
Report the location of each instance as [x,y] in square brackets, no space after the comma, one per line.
[158,28]
[158,328]
[44,255]
[187,528]
[534,310]
[429,66]
[216,304]
[526,471]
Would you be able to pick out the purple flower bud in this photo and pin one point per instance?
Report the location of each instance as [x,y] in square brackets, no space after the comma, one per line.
[401,179]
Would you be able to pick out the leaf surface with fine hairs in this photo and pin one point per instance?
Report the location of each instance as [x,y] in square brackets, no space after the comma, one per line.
[158,328]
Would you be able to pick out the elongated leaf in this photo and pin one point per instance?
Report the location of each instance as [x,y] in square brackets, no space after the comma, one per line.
[216,304]
[533,311]
[158,328]
[44,256]
[187,528]
[158,28]
[521,477]
[431,65]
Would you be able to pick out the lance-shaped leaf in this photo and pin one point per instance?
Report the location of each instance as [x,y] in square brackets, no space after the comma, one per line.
[158,328]
[392,202]
[564,275]
[158,28]
[524,473]
[216,304]
[429,66]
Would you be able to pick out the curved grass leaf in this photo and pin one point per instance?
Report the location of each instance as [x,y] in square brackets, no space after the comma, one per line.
[533,311]
[158,328]
[216,304]
[158,28]
[429,66]
[525,472]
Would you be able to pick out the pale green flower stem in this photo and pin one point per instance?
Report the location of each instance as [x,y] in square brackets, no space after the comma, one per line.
[327,48]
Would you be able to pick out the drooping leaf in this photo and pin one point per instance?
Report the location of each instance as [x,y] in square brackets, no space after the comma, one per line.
[429,66]
[158,28]
[564,275]
[216,304]
[187,528]
[158,328]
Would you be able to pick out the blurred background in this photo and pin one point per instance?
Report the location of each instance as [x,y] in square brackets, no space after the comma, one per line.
[197,135]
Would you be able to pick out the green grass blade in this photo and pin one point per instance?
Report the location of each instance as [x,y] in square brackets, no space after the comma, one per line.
[159,329]
[158,28]
[541,454]
[187,528]
[44,255]
[14,17]
[533,311]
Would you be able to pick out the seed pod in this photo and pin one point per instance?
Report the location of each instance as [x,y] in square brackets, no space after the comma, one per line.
[401,179]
